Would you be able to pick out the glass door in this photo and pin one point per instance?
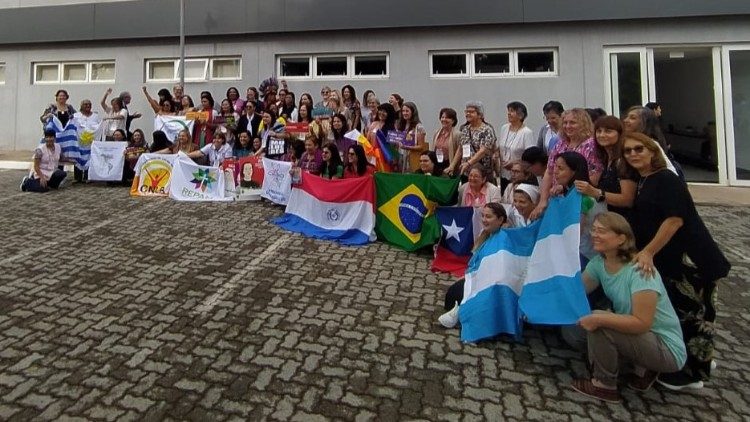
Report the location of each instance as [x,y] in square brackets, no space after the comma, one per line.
[736,78]
[629,82]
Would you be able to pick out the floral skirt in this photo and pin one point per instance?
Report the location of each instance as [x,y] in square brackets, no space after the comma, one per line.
[694,301]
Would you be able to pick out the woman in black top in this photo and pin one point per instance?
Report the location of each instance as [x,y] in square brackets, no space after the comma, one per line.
[616,185]
[667,228]
[60,109]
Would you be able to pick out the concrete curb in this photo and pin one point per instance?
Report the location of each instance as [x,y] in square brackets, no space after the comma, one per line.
[24,165]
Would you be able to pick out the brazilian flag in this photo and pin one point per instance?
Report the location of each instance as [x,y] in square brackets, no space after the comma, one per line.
[406,206]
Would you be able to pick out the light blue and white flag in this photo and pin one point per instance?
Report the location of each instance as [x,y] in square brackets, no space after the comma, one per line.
[532,272]
[67,137]
[172,125]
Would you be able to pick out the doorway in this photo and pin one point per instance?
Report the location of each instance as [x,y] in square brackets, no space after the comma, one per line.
[684,82]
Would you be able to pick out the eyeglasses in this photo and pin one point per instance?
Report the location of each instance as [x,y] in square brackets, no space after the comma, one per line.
[324,92]
[635,150]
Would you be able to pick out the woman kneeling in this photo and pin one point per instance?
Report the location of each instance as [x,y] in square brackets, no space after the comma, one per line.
[643,329]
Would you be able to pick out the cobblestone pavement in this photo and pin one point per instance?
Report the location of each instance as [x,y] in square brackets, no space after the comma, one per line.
[114,308]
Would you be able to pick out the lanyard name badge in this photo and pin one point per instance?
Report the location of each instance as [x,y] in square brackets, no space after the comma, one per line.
[466,151]
[439,155]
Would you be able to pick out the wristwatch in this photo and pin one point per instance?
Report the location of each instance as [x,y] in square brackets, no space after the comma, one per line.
[601,197]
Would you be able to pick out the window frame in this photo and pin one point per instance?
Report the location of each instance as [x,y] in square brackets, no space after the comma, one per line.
[150,62]
[312,60]
[468,66]
[211,76]
[555,63]
[353,67]
[86,70]
[3,72]
[91,71]
[36,65]
[205,61]
[511,64]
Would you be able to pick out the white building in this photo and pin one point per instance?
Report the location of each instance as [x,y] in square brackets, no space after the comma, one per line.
[692,57]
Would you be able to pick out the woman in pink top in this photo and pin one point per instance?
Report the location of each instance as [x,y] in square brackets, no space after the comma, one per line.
[478,191]
[45,175]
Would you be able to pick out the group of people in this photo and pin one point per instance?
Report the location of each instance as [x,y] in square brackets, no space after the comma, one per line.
[643,243]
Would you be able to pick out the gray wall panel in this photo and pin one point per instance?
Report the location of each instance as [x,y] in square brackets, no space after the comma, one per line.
[159,18]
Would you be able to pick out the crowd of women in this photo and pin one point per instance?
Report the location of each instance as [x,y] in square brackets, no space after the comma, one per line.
[646,252]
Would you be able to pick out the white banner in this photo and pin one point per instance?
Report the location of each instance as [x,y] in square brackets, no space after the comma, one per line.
[191,182]
[277,182]
[107,160]
[172,125]
[153,174]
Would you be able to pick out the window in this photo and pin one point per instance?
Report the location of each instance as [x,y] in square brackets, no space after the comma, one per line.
[226,69]
[448,64]
[494,63]
[535,62]
[294,66]
[363,66]
[2,73]
[196,69]
[46,73]
[103,71]
[74,72]
[331,66]
[371,65]
[491,63]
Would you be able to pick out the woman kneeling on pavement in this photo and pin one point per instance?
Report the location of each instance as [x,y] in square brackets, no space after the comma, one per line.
[643,329]
[45,175]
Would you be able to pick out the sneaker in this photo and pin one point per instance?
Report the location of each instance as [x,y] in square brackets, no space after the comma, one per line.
[23,183]
[450,318]
[587,388]
[679,381]
[644,382]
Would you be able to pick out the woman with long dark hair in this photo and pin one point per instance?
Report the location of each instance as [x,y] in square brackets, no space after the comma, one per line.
[356,164]
[333,167]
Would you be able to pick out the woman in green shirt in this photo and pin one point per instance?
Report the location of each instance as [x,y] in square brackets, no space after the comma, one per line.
[333,167]
[642,328]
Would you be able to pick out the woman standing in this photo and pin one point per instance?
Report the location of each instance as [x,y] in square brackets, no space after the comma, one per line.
[237,103]
[339,127]
[445,140]
[116,116]
[60,109]
[644,120]
[514,138]
[367,111]
[349,100]
[616,187]
[477,140]
[288,109]
[576,135]
[642,329]
[667,228]
[228,120]
[553,111]
[414,138]
[396,101]
[203,130]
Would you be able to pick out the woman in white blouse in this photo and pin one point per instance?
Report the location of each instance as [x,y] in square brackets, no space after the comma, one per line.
[513,139]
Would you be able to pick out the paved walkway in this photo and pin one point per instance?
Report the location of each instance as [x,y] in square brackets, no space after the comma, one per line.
[114,308]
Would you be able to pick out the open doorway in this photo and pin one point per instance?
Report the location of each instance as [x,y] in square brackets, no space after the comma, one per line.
[684,83]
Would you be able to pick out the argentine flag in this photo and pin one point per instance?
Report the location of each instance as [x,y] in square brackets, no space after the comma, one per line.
[531,272]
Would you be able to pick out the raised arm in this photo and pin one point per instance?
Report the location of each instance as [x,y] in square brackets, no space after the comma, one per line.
[152,102]
[104,104]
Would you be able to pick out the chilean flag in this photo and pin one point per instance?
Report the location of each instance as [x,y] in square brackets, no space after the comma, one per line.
[460,225]
[341,210]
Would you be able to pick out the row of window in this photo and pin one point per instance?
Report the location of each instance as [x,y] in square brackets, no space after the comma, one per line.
[443,64]
[493,63]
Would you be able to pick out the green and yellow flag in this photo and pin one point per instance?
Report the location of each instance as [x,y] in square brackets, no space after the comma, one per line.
[406,206]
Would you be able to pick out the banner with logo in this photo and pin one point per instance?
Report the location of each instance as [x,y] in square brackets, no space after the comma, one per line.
[153,175]
[107,160]
[172,125]
[277,181]
[191,182]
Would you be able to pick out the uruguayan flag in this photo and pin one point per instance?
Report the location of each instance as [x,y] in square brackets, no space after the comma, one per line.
[532,272]
[67,137]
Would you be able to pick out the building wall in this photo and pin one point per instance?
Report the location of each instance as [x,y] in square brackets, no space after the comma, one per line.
[580,81]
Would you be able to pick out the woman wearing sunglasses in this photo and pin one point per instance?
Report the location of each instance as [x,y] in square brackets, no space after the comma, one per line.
[667,228]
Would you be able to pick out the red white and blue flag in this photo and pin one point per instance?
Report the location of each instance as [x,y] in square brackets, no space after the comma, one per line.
[341,210]
[459,227]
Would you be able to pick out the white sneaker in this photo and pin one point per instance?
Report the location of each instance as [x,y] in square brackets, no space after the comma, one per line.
[713,364]
[23,183]
[450,318]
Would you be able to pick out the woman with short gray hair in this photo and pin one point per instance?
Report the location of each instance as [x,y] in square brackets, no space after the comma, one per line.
[477,140]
